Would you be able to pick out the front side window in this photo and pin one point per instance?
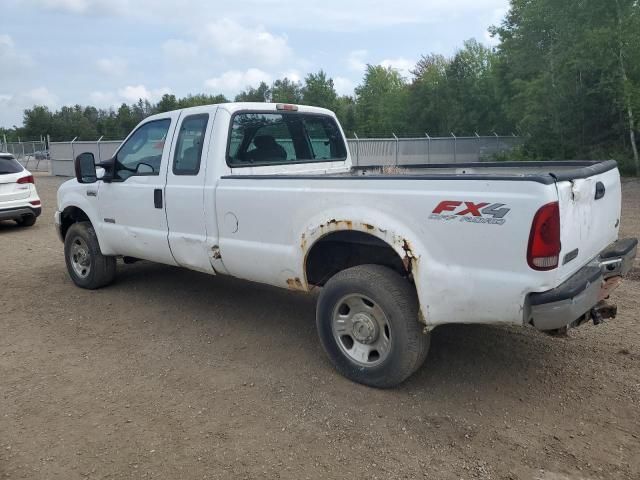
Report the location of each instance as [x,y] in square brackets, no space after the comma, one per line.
[283,138]
[189,145]
[141,154]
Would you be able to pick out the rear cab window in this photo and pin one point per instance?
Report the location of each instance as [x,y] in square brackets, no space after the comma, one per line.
[265,138]
[9,165]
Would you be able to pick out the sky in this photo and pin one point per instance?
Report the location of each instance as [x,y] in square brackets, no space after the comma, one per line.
[105,52]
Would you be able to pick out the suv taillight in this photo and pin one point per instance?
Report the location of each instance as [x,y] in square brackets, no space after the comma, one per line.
[544,241]
[27,179]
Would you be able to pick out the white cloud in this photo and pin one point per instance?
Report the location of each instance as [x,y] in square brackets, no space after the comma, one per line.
[332,15]
[255,44]
[133,93]
[42,96]
[234,80]
[113,66]
[117,7]
[343,86]
[10,57]
[402,65]
[356,60]
[181,51]
[13,106]
[127,94]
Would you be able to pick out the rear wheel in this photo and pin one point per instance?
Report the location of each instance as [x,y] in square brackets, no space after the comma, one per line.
[367,319]
[86,265]
[27,221]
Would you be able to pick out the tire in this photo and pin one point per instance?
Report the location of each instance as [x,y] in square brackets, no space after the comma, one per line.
[27,221]
[86,265]
[367,320]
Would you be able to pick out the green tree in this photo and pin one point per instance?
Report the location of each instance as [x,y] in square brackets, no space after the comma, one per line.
[260,94]
[569,71]
[319,91]
[381,102]
[286,91]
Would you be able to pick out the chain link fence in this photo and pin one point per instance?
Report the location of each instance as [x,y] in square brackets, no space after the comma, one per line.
[364,151]
[64,153]
[33,155]
[429,150]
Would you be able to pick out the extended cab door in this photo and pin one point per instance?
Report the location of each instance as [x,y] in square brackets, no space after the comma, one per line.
[133,221]
[185,190]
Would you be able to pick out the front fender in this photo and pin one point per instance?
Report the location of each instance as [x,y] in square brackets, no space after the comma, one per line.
[75,195]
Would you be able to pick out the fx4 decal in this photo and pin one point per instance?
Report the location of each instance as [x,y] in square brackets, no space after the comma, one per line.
[482,212]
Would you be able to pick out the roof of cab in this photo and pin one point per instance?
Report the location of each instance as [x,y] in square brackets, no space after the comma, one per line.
[233,107]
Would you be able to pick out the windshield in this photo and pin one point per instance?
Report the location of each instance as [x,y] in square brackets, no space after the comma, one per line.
[283,138]
[9,165]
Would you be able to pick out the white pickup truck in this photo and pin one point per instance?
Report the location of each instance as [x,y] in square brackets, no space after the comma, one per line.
[268,193]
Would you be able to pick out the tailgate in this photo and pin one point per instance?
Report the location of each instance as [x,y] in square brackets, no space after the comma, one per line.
[10,190]
[589,218]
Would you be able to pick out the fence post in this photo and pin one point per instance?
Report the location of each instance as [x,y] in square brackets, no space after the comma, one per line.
[428,147]
[98,144]
[73,153]
[455,148]
[357,149]
[397,145]
[48,146]
[6,147]
[478,144]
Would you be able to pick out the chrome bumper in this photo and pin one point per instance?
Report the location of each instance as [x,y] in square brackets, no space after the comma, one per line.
[573,302]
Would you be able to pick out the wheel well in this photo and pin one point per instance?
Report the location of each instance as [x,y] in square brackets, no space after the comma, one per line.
[340,250]
[71,215]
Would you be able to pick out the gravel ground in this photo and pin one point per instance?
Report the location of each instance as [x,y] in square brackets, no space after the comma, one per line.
[174,374]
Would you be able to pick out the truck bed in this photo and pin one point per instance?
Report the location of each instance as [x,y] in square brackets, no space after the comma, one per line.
[540,172]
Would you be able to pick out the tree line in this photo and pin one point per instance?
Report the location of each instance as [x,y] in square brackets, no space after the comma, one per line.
[565,75]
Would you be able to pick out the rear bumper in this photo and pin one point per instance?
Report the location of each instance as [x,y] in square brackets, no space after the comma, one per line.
[19,212]
[568,303]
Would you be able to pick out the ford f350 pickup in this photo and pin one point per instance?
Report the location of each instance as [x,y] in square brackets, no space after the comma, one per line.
[268,193]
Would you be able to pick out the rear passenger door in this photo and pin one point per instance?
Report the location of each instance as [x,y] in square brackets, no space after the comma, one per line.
[184,191]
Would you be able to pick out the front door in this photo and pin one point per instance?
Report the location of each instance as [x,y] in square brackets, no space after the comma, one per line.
[133,220]
[184,192]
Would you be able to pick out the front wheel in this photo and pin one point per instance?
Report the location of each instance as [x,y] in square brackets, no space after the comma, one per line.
[86,265]
[367,320]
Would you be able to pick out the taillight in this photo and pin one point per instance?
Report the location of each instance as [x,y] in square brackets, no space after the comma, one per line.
[544,241]
[27,179]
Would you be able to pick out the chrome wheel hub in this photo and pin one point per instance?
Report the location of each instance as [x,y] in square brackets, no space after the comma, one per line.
[364,328]
[80,257]
[361,330]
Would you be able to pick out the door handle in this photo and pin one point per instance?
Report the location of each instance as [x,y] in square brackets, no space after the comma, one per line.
[157,198]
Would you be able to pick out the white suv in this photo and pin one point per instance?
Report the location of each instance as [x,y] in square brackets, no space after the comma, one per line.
[19,199]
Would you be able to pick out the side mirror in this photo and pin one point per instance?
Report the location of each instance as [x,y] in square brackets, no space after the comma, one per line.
[85,166]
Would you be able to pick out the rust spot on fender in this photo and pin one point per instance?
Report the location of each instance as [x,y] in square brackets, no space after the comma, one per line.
[368,226]
[409,260]
[294,284]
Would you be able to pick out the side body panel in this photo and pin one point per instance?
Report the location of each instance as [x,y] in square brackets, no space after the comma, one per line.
[465,272]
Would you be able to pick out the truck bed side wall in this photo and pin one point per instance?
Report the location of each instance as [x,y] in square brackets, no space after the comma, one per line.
[465,272]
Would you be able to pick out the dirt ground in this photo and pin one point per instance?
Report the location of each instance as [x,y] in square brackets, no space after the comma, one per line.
[172,374]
